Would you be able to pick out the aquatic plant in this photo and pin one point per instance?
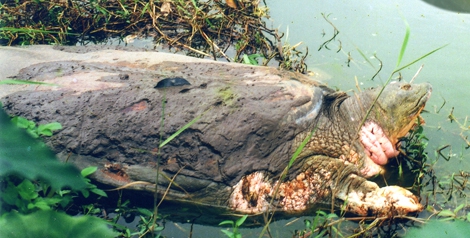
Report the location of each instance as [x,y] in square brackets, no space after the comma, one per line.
[235,233]
[36,187]
[26,157]
[321,225]
[53,224]
[33,130]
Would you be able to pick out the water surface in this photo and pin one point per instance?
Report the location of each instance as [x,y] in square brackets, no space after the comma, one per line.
[378,28]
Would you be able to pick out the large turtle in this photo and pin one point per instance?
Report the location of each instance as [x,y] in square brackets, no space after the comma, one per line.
[116,107]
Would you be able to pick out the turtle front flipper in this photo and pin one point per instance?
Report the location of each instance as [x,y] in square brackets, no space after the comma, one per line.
[361,196]
[319,179]
[386,201]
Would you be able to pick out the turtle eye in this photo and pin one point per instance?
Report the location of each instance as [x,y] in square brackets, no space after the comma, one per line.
[406,86]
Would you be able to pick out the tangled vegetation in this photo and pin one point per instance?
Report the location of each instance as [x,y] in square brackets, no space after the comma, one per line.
[212,29]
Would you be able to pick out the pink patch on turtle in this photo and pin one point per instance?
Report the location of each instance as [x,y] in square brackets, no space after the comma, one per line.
[378,147]
[136,107]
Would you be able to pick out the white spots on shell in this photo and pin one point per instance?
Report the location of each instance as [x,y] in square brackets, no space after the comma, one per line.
[305,189]
[253,193]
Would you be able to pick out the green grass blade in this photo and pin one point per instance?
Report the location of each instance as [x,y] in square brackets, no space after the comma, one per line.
[227,222]
[390,79]
[284,173]
[246,60]
[144,10]
[240,221]
[405,43]
[17,81]
[179,131]
[182,129]
[300,148]
[420,58]
[365,57]
[29,30]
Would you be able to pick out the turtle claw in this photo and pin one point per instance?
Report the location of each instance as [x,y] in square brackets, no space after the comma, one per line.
[390,200]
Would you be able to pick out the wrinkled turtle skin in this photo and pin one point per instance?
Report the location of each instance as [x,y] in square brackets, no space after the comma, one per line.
[252,120]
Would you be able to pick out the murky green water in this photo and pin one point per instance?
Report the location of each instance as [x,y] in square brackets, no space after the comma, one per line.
[378,28]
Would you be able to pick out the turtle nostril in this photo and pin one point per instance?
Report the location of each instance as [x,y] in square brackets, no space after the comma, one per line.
[405,86]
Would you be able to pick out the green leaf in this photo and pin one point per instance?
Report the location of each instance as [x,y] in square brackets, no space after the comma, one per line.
[227,222]
[159,228]
[85,193]
[41,204]
[66,200]
[48,128]
[88,170]
[144,220]
[30,158]
[24,123]
[321,213]
[53,224]
[251,59]
[27,190]
[331,215]
[457,209]
[99,192]
[228,233]
[240,221]
[145,212]
[63,192]
[246,60]
[446,213]
[307,223]
[52,201]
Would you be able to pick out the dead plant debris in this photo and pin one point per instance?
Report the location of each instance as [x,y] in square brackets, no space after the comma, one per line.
[212,28]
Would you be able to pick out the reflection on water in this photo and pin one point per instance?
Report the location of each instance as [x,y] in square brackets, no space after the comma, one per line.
[451,5]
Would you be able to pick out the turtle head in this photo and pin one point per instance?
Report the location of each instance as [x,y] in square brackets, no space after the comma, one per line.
[392,116]
[398,107]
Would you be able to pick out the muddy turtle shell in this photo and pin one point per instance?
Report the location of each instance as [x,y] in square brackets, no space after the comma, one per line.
[114,116]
